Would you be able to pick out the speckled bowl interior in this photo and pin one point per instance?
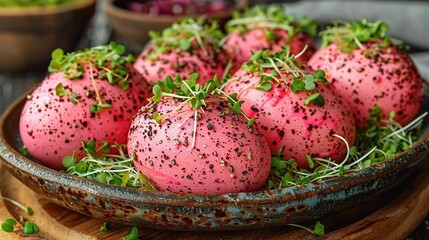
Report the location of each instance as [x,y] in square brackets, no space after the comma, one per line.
[212,212]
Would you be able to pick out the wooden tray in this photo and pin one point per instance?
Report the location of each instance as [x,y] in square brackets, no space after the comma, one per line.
[395,220]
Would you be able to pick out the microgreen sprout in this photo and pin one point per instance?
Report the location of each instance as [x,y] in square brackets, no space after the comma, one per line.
[380,141]
[27,210]
[270,17]
[193,96]
[352,35]
[319,228]
[106,227]
[272,69]
[134,234]
[30,228]
[8,225]
[109,60]
[183,34]
[102,165]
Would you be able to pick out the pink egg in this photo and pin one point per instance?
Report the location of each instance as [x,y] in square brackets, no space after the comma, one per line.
[224,156]
[288,124]
[52,126]
[373,76]
[155,67]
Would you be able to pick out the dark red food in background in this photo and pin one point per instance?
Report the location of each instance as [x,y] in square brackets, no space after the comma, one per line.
[175,7]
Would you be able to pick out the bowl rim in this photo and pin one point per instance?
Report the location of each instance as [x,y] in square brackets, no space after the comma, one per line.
[40,11]
[260,197]
[113,11]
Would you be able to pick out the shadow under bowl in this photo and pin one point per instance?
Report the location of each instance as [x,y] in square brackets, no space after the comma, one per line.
[28,35]
[232,211]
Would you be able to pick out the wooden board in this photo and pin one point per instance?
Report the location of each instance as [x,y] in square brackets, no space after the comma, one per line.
[395,220]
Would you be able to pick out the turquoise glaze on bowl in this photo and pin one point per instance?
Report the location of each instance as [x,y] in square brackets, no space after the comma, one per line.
[212,212]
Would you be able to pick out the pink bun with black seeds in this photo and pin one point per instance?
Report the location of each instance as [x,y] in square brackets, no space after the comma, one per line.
[372,72]
[205,148]
[79,104]
[269,27]
[298,113]
[184,48]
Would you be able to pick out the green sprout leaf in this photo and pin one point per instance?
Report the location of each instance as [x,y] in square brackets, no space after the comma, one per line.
[59,90]
[352,35]
[185,35]
[311,98]
[69,161]
[271,17]
[29,211]
[319,229]
[133,235]
[106,227]
[185,44]
[297,85]
[7,227]
[309,82]
[251,121]
[10,221]
[30,228]
[267,86]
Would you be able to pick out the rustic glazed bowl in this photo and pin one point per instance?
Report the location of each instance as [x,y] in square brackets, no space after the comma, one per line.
[28,35]
[211,212]
[134,26]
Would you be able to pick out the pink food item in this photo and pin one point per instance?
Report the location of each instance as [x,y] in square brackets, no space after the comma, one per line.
[178,51]
[388,79]
[224,156]
[183,63]
[291,124]
[53,126]
[269,27]
[242,45]
[177,7]
[366,69]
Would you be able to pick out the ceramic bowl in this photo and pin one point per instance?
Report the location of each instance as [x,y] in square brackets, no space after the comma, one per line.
[28,35]
[164,210]
[134,26]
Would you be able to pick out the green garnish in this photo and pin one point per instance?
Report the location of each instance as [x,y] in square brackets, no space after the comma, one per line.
[8,225]
[319,228]
[382,140]
[271,17]
[182,35]
[194,94]
[101,165]
[134,235]
[109,60]
[27,210]
[61,92]
[351,35]
[30,228]
[106,227]
[281,63]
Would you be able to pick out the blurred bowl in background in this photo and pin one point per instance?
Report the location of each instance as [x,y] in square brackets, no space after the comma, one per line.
[28,35]
[133,23]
